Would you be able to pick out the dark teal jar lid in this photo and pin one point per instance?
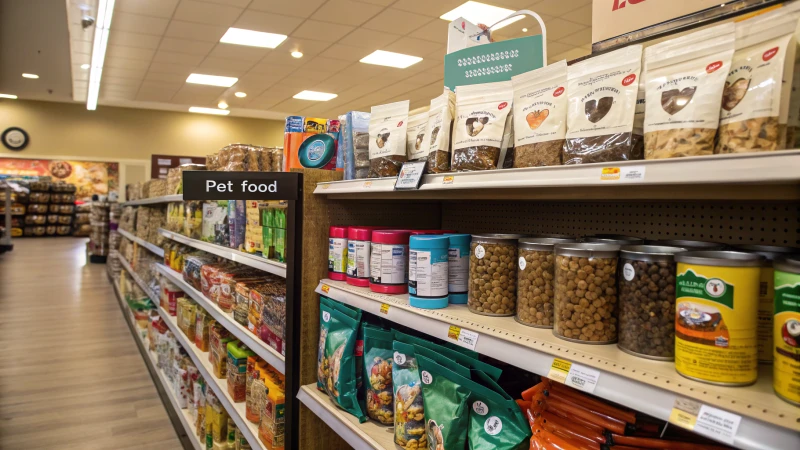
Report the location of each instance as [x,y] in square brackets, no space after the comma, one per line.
[317,151]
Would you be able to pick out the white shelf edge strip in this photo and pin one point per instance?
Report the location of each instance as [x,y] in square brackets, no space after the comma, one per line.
[643,397]
[252,341]
[235,410]
[154,200]
[126,265]
[153,248]
[183,413]
[247,259]
[344,428]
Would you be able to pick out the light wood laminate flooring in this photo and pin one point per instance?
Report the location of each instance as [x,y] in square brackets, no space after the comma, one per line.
[71,376]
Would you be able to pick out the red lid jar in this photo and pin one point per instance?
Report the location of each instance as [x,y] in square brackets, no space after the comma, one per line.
[359,249]
[337,253]
[389,261]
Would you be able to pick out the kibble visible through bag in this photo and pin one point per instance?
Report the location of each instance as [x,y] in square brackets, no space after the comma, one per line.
[387,139]
[481,111]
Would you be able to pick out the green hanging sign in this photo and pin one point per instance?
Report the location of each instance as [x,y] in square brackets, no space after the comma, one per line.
[498,61]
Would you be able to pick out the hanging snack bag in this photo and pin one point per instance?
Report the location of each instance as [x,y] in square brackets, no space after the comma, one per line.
[416,148]
[440,125]
[540,115]
[481,111]
[755,100]
[602,99]
[495,419]
[685,78]
[446,405]
[387,139]
[338,360]
[409,410]
[379,394]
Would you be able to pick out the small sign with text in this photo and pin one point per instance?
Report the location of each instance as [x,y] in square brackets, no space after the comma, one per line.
[211,185]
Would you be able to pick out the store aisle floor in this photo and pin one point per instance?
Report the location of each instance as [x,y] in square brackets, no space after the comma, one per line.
[72,376]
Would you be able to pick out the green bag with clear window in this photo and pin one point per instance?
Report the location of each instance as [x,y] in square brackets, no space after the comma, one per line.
[339,362]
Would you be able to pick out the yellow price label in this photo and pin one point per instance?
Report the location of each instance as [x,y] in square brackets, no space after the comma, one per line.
[368,184]
[610,173]
[448,179]
[326,186]
[384,308]
[325,288]
[559,370]
[453,332]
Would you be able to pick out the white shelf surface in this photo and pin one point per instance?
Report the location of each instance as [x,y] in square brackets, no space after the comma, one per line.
[135,276]
[255,261]
[183,414]
[361,436]
[225,319]
[154,200]
[219,386]
[642,384]
[774,168]
[152,247]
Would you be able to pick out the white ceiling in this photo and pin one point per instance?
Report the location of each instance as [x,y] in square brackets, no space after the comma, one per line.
[155,44]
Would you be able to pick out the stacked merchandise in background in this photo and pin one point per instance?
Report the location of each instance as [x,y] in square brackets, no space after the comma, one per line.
[20,193]
[98,239]
[313,143]
[50,209]
[83,220]
[114,266]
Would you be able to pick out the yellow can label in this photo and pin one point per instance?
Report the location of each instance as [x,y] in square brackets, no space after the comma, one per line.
[766,300]
[716,322]
[786,365]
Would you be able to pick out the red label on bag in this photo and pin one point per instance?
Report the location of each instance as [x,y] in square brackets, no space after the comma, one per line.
[769,54]
[400,124]
[502,105]
[711,68]
[558,92]
[359,351]
[629,79]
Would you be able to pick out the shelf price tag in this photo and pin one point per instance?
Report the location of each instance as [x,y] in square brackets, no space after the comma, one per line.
[448,179]
[325,186]
[367,184]
[410,175]
[462,337]
[384,308]
[325,288]
[705,420]
[574,375]
[625,173]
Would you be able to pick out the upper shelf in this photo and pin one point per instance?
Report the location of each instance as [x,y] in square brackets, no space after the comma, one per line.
[153,200]
[152,247]
[744,176]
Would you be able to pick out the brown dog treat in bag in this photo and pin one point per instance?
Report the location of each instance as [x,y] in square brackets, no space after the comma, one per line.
[387,139]
[479,126]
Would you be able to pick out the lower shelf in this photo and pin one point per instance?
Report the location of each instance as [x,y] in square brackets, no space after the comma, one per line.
[361,436]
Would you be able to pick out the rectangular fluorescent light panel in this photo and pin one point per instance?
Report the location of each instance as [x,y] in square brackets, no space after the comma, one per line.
[12,97]
[240,36]
[105,10]
[391,59]
[216,112]
[477,12]
[211,80]
[316,96]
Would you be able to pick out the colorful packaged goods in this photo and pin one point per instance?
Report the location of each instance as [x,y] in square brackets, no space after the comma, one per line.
[238,355]
[218,340]
[202,325]
[273,315]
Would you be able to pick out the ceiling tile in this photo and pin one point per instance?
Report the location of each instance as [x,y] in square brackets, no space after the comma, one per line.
[82,47]
[424,78]
[435,30]
[188,46]
[77,33]
[559,7]
[253,83]
[155,8]
[176,69]
[138,40]
[267,22]
[153,94]
[174,85]
[197,95]
[427,7]
[555,48]
[289,8]
[346,52]
[118,95]
[579,39]
[569,55]
[187,30]
[121,89]
[80,74]
[307,46]
[238,3]
[185,59]
[136,23]
[271,97]
[239,52]
[160,77]
[298,83]
[129,64]
[124,73]
[222,64]
[511,4]
[271,69]
[325,31]
[398,21]
[558,28]
[119,81]
[207,13]
[292,105]
[369,39]
[120,51]
[379,2]
[414,47]
[333,84]
[325,64]
[362,72]
[346,12]
[582,15]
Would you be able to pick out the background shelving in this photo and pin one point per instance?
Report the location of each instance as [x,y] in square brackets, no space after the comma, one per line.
[154,200]
[152,247]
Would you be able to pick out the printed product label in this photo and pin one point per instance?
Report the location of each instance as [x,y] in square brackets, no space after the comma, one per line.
[540,113]
[416,135]
[493,426]
[389,264]
[358,253]
[480,408]
[481,117]
[429,272]
[457,271]
[766,305]
[715,323]
[480,252]
[786,364]
[602,102]
[628,272]
[387,130]
[337,255]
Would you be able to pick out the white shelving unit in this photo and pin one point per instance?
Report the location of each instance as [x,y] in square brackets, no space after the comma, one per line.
[154,200]
[247,259]
[153,248]
[645,385]
[269,354]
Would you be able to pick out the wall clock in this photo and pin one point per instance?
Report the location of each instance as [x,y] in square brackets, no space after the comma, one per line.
[15,138]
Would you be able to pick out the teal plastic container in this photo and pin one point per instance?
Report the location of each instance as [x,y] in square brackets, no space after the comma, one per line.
[428,271]
[458,268]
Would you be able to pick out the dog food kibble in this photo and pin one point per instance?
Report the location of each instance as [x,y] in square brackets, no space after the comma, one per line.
[535,281]
[586,292]
[493,274]
[647,301]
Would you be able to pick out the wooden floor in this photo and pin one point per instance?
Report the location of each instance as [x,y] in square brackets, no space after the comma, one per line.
[71,376]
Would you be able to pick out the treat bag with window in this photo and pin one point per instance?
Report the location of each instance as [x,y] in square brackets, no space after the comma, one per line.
[446,405]
[440,125]
[685,78]
[540,115]
[416,148]
[602,98]
[323,334]
[340,373]
[387,139]
[409,409]
[378,390]
[480,122]
[459,354]
[755,99]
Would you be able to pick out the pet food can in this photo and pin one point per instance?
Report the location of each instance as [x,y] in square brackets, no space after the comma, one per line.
[359,247]
[786,364]
[337,253]
[616,239]
[716,297]
[388,263]
[766,295]
[427,271]
[458,268]
[688,244]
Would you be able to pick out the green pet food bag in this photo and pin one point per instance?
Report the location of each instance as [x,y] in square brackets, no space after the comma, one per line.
[409,411]
[378,389]
[446,405]
[495,420]
[339,360]
[323,332]
[460,357]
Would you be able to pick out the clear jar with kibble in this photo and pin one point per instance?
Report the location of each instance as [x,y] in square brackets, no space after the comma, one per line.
[493,274]
[535,280]
[647,301]
[585,304]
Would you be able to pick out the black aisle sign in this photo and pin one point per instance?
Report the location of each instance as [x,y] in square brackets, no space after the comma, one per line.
[211,185]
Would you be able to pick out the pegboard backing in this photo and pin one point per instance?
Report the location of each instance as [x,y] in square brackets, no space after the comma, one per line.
[400,214]
[731,222]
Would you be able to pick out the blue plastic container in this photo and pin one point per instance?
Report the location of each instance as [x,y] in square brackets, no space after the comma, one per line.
[427,271]
[458,268]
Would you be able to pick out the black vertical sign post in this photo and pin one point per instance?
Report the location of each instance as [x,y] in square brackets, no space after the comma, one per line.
[210,185]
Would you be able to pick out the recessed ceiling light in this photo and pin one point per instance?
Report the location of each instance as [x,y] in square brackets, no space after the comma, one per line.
[85,66]
[297,54]
[201,110]
[524,30]
[391,59]
[317,96]
[252,38]
[30,75]
[11,96]
[240,94]
[222,105]
[477,12]
[211,80]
